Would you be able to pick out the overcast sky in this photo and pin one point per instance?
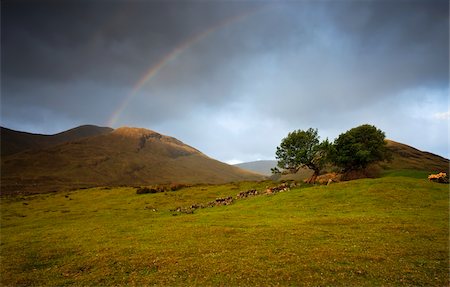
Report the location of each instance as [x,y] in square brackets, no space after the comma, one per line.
[230,78]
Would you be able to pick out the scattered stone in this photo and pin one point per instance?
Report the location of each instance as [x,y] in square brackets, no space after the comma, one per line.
[280,188]
[244,194]
[218,202]
[196,206]
[229,200]
[328,178]
[151,208]
[187,210]
[221,201]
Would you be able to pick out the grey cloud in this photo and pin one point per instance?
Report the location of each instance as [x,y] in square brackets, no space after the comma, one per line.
[286,65]
[63,40]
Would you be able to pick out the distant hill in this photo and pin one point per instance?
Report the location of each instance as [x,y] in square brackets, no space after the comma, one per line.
[14,141]
[125,156]
[403,157]
[260,166]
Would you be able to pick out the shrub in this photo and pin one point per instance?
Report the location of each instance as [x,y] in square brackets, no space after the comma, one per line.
[144,190]
[176,186]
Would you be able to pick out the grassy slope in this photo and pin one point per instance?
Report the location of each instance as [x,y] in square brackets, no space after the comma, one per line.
[387,231]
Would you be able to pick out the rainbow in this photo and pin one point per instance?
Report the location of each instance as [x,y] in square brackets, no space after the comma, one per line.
[173,54]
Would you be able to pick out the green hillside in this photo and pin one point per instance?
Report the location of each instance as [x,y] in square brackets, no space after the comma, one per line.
[391,231]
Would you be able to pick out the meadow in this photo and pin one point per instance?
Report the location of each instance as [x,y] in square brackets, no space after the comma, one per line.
[390,231]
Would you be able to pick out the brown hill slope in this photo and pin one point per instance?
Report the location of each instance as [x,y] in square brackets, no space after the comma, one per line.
[126,156]
[407,157]
[14,141]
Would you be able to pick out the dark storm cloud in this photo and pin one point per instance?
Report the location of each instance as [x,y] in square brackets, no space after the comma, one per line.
[105,40]
[273,67]
[55,53]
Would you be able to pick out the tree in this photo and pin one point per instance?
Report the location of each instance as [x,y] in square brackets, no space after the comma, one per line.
[302,149]
[359,147]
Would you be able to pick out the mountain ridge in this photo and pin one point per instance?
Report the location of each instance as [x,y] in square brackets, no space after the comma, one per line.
[125,156]
[18,141]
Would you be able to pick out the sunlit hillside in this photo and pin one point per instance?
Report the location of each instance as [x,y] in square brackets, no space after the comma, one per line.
[391,231]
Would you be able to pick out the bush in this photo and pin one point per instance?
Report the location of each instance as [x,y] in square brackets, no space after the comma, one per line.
[144,190]
[177,186]
[161,188]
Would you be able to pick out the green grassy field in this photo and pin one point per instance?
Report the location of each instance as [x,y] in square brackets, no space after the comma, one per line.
[391,231]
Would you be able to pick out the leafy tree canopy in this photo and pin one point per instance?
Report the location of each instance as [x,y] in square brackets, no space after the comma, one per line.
[359,147]
[302,149]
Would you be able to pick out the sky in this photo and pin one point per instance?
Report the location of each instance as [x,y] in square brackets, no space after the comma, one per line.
[230,78]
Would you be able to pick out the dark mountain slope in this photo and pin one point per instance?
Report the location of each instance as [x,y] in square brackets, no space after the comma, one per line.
[14,141]
[126,156]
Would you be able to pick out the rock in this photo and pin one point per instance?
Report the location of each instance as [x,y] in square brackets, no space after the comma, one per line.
[223,201]
[244,194]
[280,188]
[328,178]
[441,177]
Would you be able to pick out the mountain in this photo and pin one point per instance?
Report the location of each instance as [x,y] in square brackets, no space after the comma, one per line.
[15,141]
[259,166]
[403,157]
[407,157]
[125,156]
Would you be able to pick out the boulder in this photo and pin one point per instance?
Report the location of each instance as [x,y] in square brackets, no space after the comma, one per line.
[244,194]
[328,178]
[441,177]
